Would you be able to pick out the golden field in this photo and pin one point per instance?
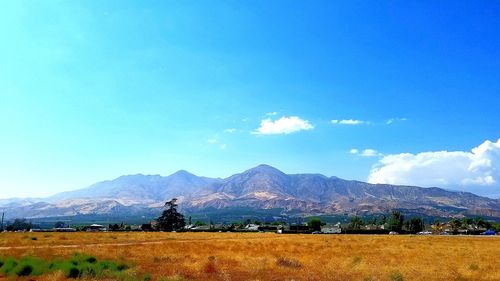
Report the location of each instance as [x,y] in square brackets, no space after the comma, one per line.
[269,256]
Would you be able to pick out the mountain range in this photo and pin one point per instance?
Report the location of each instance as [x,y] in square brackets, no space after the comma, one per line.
[262,187]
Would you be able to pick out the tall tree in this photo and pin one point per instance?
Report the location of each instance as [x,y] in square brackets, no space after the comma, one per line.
[314,224]
[171,219]
[396,221]
[455,225]
[356,223]
[20,224]
[416,225]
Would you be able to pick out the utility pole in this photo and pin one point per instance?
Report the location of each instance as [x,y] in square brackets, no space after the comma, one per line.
[1,226]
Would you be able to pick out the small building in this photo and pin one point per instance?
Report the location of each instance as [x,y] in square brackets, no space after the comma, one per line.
[251,227]
[201,228]
[331,230]
[96,228]
[64,229]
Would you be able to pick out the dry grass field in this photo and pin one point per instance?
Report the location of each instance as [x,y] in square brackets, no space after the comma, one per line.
[268,256]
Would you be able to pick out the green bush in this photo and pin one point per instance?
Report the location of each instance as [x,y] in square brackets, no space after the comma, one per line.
[91,259]
[73,272]
[78,266]
[24,270]
[8,266]
[122,267]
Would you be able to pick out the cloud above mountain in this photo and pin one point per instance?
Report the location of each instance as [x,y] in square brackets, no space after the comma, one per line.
[284,125]
[365,152]
[463,170]
[349,122]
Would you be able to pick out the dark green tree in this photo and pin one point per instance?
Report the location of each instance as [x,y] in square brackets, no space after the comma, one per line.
[199,223]
[314,224]
[383,220]
[480,222]
[416,225]
[171,219]
[496,227]
[455,225]
[20,224]
[466,222]
[114,227]
[356,223]
[396,221]
[59,224]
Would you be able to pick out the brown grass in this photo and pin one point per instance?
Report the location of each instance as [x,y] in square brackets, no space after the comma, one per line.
[267,256]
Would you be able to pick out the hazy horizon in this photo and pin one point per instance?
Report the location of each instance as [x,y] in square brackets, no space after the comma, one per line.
[397,93]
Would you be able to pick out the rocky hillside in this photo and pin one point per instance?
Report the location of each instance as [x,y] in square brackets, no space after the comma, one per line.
[262,187]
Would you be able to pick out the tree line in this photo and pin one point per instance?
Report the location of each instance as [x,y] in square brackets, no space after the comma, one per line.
[172,220]
[395,222]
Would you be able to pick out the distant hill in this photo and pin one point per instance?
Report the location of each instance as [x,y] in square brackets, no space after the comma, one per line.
[140,188]
[262,187]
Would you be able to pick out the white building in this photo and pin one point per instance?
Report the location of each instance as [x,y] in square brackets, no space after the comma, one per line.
[96,228]
[335,229]
[252,227]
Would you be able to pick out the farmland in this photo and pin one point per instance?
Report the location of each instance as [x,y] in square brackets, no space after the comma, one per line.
[267,256]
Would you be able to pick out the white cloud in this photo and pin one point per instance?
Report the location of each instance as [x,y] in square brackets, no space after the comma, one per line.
[365,153]
[284,125]
[349,122]
[464,170]
[370,153]
[212,141]
[230,130]
[392,120]
[223,146]
[274,113]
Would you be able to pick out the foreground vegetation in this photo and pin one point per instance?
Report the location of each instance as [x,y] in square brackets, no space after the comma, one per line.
[260,256]
[77,266]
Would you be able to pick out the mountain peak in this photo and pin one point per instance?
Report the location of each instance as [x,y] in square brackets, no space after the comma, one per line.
[264,168]
[183,173]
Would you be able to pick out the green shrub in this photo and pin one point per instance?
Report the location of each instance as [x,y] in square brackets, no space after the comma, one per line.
[91,259]
[396,276]
[24,269]
[78,266]
[8,266]
[73,272]
[29,266]
[122,267]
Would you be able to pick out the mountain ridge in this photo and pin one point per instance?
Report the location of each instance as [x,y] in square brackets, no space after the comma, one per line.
[261,187]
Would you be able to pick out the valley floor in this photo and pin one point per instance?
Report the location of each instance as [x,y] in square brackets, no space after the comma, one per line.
[269,256]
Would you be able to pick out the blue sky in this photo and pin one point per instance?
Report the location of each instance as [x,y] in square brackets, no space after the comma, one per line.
[91,90]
